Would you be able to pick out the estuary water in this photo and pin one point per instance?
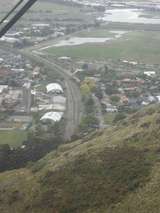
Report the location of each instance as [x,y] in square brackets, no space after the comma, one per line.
[128,16]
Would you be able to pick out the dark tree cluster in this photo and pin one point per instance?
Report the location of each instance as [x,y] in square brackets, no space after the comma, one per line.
[31,152]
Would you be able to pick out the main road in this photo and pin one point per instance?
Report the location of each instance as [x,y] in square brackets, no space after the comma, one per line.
[74,104]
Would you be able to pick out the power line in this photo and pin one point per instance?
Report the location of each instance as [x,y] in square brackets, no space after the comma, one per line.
[17,16]
[11,11]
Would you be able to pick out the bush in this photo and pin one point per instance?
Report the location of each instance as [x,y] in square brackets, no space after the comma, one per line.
[92,183]
[119,116]
[115,99]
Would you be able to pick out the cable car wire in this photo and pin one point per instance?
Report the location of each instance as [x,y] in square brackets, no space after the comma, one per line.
[16,17]
[11,11]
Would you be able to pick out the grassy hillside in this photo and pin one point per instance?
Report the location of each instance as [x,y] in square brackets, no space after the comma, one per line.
[114,171]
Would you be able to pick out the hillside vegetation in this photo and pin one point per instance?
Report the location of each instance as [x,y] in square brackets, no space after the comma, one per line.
[112,171]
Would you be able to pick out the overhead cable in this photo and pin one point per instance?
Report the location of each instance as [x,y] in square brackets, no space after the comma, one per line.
[16,17]
[11,11]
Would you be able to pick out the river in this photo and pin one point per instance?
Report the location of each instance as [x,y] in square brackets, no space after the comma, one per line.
[128,16]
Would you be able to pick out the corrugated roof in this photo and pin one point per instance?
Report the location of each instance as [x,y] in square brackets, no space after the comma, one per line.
[54,87]
[54,116]
[59,99]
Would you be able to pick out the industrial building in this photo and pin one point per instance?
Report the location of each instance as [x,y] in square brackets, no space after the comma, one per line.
[52,116]
[54,88]
[55,106]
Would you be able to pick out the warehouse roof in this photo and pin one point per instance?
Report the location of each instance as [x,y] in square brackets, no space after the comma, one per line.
[149,73]
[54,87]
[59,99]
[3,87]
[54,116]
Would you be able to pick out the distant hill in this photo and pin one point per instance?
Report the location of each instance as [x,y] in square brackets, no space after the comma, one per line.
[116,170]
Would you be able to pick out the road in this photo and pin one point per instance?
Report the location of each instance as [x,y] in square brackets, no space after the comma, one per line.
[74,104]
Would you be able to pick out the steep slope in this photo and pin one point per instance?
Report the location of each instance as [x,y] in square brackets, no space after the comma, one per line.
[114,171]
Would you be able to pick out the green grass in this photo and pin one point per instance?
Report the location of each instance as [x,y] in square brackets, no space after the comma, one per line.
[43,10]
[52,10]
[145,200]
[55,8]
[139,46]
[116,170]
[84,189]
[109,118]
[13,137]
[100,33]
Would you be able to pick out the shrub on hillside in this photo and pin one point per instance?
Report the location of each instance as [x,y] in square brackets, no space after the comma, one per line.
[92,183]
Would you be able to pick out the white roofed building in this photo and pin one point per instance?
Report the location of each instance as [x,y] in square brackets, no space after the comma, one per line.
[1,60]
[158,98]
[56,107]
[150,73]
[59,99]
[3,88]
[52,116]
[65,58]
[54,88]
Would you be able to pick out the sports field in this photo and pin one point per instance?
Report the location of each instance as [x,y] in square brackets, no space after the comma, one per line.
[14,137]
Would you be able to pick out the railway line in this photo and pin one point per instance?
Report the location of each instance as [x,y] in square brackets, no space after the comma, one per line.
[73,110]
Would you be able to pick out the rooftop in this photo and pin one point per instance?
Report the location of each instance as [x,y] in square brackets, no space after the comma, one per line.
[54,87]
[54,116]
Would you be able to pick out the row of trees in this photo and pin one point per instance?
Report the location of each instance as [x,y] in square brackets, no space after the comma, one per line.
[89,120]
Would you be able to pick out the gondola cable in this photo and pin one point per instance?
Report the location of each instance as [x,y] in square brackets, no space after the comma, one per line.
[11,11]
[17,16]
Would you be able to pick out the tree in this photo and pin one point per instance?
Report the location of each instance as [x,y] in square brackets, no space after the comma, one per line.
[89,121]
[98,93]
[119,116]
[85,90]
[108,74]
[91,83]
[89,105]
[115,99]
[85,66]
[110,90]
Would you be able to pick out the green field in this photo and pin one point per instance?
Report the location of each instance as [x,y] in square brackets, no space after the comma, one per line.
[109,118]
[52,7]
[43,11]
[39,6]
[137,45]
[14,137]
[49,10]
[100,33]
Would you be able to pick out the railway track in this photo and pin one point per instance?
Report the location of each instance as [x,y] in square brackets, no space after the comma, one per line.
[73,111]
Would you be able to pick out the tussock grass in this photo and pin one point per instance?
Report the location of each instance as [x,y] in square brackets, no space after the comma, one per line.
[113,171]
